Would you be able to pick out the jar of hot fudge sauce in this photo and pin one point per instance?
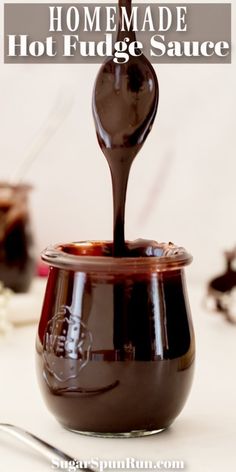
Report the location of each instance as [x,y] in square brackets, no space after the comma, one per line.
[115,343]
[17,259]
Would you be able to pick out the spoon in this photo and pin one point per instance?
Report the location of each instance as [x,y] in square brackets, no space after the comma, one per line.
[41,446]
[125,100]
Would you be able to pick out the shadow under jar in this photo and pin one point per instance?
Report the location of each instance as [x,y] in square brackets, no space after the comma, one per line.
[115,344]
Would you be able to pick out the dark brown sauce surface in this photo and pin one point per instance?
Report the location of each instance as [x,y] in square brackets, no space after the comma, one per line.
[137,248]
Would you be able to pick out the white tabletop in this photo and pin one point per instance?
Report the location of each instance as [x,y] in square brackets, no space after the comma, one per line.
[203,436]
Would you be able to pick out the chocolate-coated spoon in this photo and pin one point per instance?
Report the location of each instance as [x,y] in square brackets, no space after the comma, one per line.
[125,101]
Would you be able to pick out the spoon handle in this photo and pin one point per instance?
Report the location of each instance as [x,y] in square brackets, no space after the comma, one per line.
[126,33]
[39,445]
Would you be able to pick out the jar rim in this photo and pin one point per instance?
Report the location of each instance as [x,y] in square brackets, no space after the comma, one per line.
[56,256]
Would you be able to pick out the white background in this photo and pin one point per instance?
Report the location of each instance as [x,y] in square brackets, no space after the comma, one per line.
[182,185]
[185,176]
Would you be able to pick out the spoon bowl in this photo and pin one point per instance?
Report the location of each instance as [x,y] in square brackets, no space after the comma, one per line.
[125,101]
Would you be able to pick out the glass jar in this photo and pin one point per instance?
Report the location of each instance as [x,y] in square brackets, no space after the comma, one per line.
[115,343]
[17,262]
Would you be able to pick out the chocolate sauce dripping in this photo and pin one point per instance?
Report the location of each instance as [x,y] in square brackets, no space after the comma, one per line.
[125,102]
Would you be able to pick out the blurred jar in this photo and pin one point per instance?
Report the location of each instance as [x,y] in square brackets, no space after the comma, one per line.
[17,262]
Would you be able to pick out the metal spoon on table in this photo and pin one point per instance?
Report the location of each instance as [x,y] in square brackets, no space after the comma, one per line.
[125,100]
[39,445]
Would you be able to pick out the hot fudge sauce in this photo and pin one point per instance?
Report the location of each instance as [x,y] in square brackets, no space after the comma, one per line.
[104,374]
[17,264]
[125,102]
[115,344]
